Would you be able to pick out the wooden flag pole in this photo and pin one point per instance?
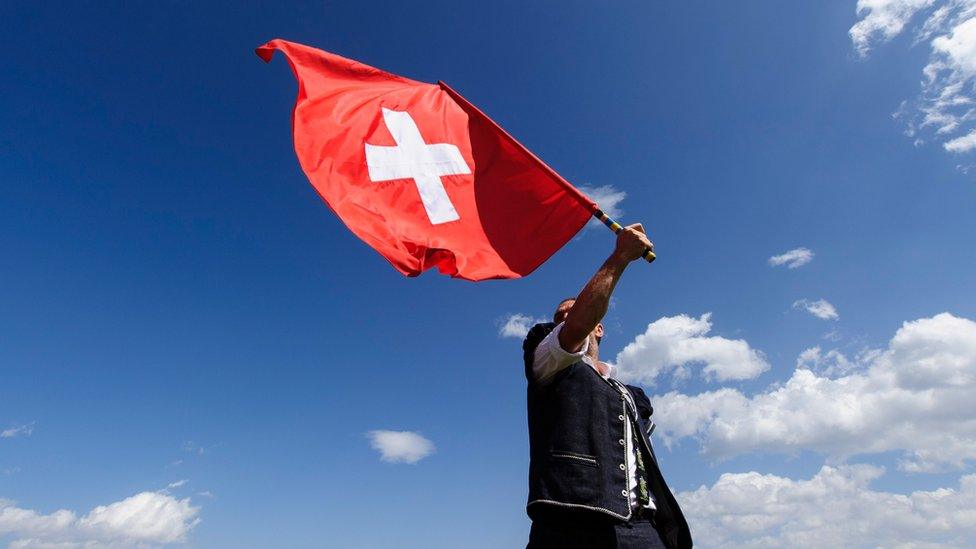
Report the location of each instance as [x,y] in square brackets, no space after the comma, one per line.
[616,228]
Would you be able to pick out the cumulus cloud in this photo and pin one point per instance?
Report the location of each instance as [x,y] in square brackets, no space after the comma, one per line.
[820,308]
[143,520]
[797,257]
[915,396]
[400,446]
[18,430]
[945,110]
[517,325]
[672,344]
[834,508]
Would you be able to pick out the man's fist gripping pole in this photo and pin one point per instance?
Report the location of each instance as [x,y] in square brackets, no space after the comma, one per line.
[647,253]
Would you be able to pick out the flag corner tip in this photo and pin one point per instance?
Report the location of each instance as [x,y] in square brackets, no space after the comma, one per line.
[264,52]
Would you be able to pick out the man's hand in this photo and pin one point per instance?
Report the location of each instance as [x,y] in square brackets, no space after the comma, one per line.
[632,242]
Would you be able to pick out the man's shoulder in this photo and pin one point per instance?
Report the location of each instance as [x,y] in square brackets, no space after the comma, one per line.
[641,401]
[532,340]
[536,334]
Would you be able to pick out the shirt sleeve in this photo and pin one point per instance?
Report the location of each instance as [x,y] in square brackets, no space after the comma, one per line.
[550,357]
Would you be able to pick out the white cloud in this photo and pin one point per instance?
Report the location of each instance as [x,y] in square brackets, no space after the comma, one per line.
[961,144]
[672,344]
[829,364]
[176,484]
[946,107]
[145,519]
[400,446]
[794,258]
[915,396]
[517,325]
[608,198]
[820,308]
[148,516]
[882,20]
[958,48]
[18,430]
[834,508]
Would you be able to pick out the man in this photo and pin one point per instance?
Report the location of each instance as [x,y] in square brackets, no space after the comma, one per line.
[594,480]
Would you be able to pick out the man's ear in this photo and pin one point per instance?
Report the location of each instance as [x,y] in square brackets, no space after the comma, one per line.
[598,331]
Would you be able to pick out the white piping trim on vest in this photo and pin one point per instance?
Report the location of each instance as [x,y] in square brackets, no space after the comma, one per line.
[571,455]
[619,388]
[577,458]
[581,506]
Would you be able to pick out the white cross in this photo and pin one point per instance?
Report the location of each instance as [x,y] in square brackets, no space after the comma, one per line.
[412,158]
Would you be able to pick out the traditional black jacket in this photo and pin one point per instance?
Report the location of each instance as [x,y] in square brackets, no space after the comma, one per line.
[577,450]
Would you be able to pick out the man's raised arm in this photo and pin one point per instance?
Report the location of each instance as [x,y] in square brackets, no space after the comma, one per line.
[591,305]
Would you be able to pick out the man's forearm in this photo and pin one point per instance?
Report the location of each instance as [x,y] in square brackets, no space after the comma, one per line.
[592,302]
[591,305]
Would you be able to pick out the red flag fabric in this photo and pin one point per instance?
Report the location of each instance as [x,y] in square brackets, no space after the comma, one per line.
[423,176]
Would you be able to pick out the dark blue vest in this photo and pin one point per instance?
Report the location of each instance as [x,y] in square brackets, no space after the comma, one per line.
[577,463]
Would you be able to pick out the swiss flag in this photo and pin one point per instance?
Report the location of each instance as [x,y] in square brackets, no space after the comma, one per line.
[423,176]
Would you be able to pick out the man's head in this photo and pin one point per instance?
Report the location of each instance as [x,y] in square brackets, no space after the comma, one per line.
[562,311]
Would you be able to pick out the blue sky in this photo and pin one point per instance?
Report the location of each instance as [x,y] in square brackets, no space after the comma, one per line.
[178,305]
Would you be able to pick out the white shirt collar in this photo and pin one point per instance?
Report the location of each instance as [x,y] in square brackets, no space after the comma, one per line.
[610,368]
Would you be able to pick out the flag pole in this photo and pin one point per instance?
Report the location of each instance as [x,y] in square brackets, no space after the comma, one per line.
[616,228]
[573,191]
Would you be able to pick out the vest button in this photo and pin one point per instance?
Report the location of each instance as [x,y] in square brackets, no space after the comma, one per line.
[621,441]
[623,467]
[620,417]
